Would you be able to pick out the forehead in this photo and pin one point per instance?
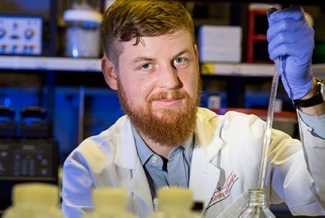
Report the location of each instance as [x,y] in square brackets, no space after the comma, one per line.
[164,43]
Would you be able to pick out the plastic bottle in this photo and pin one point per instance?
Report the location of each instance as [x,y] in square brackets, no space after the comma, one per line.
[257,206]
[109,203]
[174,202]
[82,31]
[34,200]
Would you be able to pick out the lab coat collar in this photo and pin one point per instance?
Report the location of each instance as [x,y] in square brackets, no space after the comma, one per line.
[206,138]
[127,158]
[140,187]
[204,169]
[126,152]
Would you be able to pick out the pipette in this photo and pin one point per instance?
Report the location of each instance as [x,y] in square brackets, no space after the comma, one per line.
[270,113]
[269,122]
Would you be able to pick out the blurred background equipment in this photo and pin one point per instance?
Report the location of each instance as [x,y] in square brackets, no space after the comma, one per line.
[7,124]
[28,152]
[33,123]
[21,34]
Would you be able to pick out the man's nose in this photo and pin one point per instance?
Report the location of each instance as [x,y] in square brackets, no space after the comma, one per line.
[168,77]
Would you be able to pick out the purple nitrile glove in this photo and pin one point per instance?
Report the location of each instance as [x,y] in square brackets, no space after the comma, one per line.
[292,40]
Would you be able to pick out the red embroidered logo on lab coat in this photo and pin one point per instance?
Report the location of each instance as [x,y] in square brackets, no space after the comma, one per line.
[222,193]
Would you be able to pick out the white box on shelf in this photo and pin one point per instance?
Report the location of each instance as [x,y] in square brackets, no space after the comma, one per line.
[220,54]
[220,43]
[213,35]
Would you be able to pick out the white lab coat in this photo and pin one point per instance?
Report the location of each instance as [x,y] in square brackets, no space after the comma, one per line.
[226,162]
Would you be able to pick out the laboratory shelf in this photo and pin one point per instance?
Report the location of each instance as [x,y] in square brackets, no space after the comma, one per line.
[237,69]
[50,63]
[249,69]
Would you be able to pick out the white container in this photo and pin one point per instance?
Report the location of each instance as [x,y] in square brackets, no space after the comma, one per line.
[214,101]
[34,200]
[110,203]
[82,33]
[175,202]
[94,5]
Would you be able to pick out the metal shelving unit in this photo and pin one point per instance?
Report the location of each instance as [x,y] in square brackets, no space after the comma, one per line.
[50,63]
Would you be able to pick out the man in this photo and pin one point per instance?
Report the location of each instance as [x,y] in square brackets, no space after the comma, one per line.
[165,139]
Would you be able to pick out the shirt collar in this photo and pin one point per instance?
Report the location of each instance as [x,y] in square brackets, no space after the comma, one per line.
[144,152]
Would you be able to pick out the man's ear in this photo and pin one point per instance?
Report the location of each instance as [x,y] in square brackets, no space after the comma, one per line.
[109,72]
[196,52]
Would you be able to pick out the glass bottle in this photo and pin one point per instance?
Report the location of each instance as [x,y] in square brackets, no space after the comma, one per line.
[257,206]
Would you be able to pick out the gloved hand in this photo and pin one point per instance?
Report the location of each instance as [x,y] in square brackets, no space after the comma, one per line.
[291,37]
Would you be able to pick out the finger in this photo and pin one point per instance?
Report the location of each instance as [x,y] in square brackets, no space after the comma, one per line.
[297,50]
[294,12]
[285,26]
[291,43]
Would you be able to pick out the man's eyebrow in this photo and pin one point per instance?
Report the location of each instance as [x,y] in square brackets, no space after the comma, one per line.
[142,58]
[182,52]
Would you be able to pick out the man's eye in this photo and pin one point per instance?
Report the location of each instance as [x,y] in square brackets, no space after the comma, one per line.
[146,66]
[179,60]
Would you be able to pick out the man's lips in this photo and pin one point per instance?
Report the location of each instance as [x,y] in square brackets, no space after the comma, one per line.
[168,102]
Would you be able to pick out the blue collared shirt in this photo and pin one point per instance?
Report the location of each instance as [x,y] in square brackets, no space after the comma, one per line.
[316,122]
[164,173]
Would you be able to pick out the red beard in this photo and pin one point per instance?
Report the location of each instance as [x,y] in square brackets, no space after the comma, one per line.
[173,126]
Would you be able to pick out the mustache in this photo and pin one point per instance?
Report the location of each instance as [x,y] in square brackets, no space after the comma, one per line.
[174,94]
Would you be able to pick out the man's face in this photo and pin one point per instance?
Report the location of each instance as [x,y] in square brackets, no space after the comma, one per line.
[159,86]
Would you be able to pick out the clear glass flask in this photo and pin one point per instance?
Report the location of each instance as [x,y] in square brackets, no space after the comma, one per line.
[257,205]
